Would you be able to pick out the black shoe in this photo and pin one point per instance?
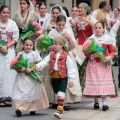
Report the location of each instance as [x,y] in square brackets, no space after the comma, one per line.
[105,107]
[96,106]
[67,107]
[32,112]
[54,106]
[18,113]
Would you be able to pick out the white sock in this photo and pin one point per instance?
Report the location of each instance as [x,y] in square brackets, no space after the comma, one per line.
[104,101]
[96,100]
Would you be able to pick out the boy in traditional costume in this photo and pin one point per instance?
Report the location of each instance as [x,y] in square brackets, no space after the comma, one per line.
[61,71]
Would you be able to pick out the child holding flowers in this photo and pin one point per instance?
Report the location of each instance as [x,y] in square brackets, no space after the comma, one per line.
[99,81]
[62,71]
[28,94]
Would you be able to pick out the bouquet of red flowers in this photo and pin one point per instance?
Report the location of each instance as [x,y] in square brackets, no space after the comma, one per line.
[19,61]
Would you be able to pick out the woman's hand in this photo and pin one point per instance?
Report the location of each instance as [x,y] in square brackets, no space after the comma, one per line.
[107,59]
[103,20]
[82,18]
[28,70]
[71,84]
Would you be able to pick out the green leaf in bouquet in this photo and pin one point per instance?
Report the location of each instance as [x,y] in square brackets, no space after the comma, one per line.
[5,52]
[45,42]
[27,34]
[36,76]
[3,42]
[102,57]
[20,63]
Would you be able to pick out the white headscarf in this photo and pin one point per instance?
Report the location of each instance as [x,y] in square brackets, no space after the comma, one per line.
[46,23]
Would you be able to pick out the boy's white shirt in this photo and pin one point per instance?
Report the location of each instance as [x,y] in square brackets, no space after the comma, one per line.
[113,32]
[71,71]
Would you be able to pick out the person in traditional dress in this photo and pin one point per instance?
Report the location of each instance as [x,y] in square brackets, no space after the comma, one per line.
[74,13]
[43,13]
[99,81]
[33,2]
[115,16]
[49,25]
[84,27]
[28,94]
[72,95]
[62,71]
[115,34]
[9,35]
[101,15]
[23,17]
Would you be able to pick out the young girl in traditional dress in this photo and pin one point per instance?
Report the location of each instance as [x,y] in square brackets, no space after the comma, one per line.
[62,71]
[9,34]
[28,94]
[99,81]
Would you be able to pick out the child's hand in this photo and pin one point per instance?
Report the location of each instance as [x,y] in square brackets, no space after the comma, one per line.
[23,69]
[94,55]
[66,35]
[71,84]
[3,48]
[107,59]
[36,68]
[28,70]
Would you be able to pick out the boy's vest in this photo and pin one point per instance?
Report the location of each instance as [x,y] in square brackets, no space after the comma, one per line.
[62,69]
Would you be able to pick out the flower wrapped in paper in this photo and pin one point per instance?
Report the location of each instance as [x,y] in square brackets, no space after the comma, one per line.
[32,31]
[2,43]
[91,46]
[44,41]
[19,61]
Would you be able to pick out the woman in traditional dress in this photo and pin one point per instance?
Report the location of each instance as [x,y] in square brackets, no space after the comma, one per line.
[74,13]
[115,16]
[51,26]
[9,35]
[43,13]
[84,27]
[23,17]
[99,81]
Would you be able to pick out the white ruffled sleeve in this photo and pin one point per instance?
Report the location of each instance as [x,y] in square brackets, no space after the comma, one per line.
[71,71]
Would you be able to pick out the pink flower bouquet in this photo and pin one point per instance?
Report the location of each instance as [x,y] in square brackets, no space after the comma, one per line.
[91,46]
[19,62]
